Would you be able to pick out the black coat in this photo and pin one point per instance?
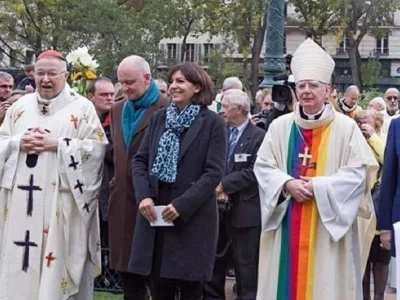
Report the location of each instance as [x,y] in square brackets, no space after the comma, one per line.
[189,247]
[240,183]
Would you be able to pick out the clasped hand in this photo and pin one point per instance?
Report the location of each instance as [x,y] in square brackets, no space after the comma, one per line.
[37,140]
[300,189]
[146,208]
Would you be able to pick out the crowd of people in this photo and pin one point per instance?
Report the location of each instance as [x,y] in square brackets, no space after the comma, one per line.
[296,201]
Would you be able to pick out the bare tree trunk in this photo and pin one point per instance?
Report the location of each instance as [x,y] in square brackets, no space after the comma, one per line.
[183,49]
[255,60]
[355,62]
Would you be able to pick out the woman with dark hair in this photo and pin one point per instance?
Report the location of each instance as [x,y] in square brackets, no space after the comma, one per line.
[180,163]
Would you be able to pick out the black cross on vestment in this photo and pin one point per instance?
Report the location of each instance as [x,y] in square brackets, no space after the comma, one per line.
[79,186]
[44,110]
[67,140]
[73,163]
[26,243]
[86,206]
[30,189]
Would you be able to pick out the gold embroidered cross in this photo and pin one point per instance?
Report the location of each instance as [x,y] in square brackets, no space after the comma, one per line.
[100,134]
[85,156]
[75,121]
[64,285]
[19,115]
[305,156]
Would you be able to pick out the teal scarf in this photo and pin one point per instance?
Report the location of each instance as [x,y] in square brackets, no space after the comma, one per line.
[133,111]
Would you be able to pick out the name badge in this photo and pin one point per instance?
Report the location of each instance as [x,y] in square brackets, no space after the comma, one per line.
[241,157]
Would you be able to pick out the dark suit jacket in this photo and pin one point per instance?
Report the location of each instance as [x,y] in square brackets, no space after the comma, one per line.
[240,183]
[389,203]
[189,247]
[122,206]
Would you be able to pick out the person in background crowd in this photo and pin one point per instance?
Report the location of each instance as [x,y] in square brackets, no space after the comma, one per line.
[228,84]
[370,122]
[28,83]
[313,170]
[101,92]
[176,171]
[15,95]
[162,86]
[392,101]
[6,86]
[392,107]
[264,101]
[53,145]
[348,105]
[130,119]
[240,226]
[378,104]
[333,98]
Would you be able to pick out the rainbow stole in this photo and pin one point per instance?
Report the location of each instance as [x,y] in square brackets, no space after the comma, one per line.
[299,226]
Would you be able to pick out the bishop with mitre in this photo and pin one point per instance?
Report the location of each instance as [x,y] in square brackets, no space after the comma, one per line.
[313,170]
[51,148]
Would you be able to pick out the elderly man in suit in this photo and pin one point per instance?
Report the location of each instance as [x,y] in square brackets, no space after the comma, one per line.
[129,121]
[238,192]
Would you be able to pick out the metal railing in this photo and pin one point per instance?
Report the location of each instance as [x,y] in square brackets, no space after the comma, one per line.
[109,280]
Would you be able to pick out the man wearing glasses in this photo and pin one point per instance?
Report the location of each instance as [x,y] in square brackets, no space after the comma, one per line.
[6,86]
[392,107]
[52,146]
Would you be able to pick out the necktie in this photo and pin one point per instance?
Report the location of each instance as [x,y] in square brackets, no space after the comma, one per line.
[232,142]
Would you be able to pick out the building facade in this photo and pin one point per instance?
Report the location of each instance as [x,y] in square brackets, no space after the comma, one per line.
[385,49]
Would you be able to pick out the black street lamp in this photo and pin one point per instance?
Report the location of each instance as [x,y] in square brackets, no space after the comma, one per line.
[273,58]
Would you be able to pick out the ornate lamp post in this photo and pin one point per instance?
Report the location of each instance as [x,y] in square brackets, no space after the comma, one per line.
[273,57]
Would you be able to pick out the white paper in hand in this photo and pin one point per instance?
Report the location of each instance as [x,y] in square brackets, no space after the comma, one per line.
[160,222]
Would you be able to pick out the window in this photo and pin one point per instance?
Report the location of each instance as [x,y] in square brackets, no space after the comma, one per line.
[171,50]
[382,44]
[189,52]
[29,56]
[344,45]
[207,51]
[12,58]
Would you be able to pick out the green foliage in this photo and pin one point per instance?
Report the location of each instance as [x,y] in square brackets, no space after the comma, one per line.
[367,96]
[370,71]
[316,17]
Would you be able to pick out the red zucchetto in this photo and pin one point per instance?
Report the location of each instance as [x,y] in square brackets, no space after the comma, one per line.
[51,53]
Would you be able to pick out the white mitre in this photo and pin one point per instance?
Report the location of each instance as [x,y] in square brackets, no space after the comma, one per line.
[311,62]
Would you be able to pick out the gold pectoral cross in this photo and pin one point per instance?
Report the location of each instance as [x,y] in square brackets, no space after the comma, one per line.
[305,156]
[100,134]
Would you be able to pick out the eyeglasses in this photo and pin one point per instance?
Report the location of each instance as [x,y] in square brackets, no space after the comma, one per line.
[50,74]
[6,86]
[392,97]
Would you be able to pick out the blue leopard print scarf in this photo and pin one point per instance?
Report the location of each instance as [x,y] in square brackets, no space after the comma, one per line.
[166,162]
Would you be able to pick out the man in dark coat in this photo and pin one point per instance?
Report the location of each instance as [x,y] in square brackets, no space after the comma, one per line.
[130,118]
[101,92]
[241,226]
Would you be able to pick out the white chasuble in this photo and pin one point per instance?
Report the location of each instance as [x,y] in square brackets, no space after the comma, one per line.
[314,250]
[49,228]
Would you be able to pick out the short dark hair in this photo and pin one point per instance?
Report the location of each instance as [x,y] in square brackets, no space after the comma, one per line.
[29,68]
[196,75]
[91,89]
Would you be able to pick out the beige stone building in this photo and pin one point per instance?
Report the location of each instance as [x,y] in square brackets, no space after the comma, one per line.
[386,49]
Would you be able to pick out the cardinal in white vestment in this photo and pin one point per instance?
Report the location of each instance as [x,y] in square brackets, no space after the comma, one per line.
[313,169]
[51,150]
